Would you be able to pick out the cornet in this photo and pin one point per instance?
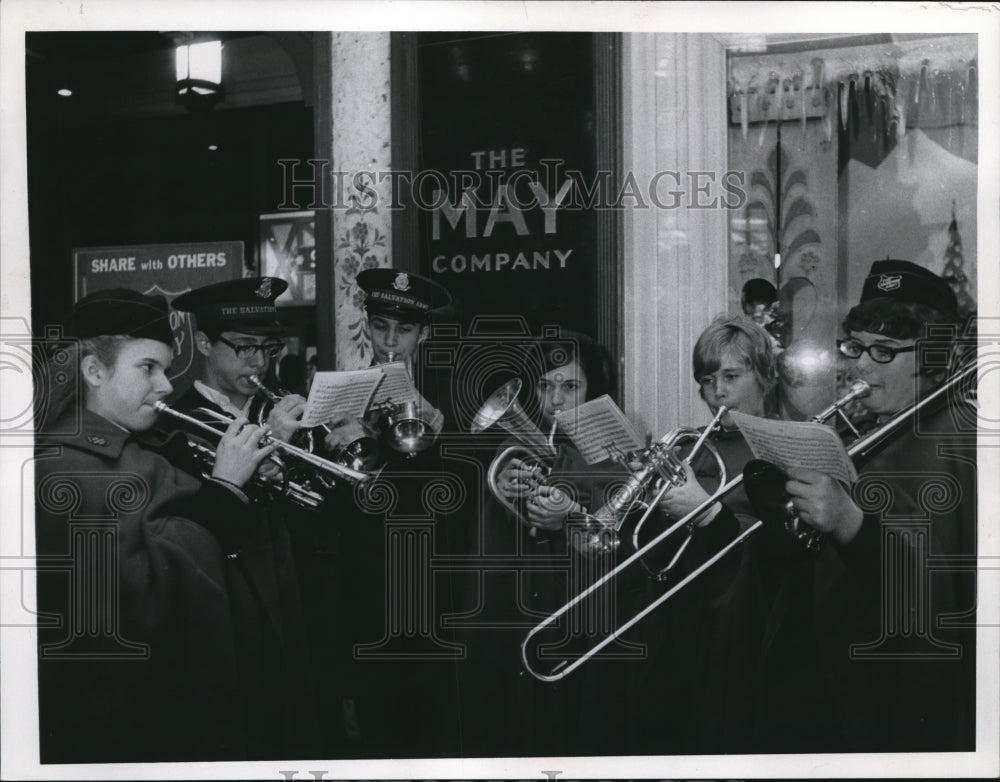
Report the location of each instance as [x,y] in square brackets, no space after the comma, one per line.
[406,430]
[323,471]
[270,483]
[658,469]
[260,411]
[503,409]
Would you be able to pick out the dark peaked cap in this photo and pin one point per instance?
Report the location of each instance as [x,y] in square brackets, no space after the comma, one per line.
[906,281]
[120,311]
[245,305]
[401,295]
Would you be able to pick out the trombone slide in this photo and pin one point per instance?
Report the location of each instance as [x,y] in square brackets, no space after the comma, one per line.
[565,666]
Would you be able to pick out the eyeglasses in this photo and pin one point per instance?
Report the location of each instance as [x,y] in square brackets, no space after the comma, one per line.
[880,354]
[248,350]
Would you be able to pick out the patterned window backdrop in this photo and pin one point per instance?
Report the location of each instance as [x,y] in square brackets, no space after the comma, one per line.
[850,154]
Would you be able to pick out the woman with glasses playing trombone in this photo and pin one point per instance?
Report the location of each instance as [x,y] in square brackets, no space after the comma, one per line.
[866,649]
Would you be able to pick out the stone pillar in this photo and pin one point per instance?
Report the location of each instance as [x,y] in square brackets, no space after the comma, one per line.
[675,255]
[360,230]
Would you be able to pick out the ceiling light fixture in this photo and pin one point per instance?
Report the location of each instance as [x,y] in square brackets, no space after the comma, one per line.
[199,75]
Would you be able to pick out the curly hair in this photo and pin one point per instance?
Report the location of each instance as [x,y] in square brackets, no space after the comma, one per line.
[894,318]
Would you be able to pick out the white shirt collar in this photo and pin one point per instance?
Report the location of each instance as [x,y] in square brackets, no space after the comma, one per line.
[220,399]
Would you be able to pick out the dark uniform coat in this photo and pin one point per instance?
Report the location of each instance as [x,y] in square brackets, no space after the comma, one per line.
[170,626]
[696,688]
[870,647]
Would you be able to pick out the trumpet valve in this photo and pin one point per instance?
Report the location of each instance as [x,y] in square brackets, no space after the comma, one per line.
[661,458]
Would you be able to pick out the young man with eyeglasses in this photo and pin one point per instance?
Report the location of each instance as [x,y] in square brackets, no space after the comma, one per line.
[238,334]
[870,644]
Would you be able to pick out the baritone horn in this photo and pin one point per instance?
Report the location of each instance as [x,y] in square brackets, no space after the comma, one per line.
[503,410]
[593,597]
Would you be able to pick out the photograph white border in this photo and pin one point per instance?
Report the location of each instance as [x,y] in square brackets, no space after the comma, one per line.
[19,698]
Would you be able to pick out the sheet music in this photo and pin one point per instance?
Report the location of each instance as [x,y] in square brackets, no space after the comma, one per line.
[597,424]
[347,393]
[797,444]
[396,385]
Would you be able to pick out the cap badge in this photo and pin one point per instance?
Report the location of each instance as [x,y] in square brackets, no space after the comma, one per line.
[401,283]
[889,282]
[264,289]
[93,439]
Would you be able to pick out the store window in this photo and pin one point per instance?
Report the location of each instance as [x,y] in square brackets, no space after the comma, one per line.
[854,150]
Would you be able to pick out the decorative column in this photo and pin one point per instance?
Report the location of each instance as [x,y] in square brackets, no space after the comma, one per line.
[676,250]
[357,229]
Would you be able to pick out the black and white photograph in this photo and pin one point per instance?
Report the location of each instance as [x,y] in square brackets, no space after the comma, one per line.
[494,390]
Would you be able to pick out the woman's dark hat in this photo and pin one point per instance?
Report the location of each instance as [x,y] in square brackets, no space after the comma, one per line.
[906,281]
[401,295]
[245,305]
[120,311]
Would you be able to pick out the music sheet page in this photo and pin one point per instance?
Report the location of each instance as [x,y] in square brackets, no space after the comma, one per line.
[396,385]
[347,393]
[797,444]
[597,427]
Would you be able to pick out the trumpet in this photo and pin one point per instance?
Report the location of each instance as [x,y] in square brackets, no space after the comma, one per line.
[659,468]
[357,455]
[273,483]
[594,595]
[503,409]
[260,411]
[300,492]
[406,430]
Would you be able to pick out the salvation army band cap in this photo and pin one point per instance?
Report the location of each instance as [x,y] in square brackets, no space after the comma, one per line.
[906,281]
[245,305]
[120,311]
[401,295]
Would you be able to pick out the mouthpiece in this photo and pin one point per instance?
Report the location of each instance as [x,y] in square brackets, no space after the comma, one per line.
[859,388]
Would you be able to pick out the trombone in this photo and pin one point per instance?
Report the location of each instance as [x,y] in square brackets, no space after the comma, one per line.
[566,664]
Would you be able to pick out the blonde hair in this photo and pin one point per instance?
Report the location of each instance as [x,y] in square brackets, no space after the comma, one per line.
[744,337]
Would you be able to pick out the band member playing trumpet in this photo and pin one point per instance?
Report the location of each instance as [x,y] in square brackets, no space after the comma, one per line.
[398,310]
[735,367]
[383,664]
[860,654]
[238,334]
[198,649]
[697,696]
